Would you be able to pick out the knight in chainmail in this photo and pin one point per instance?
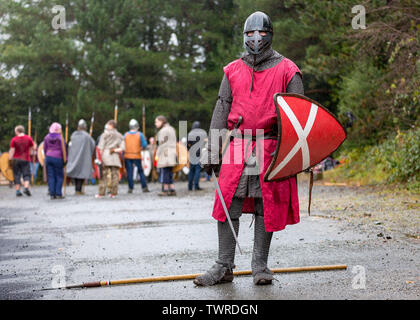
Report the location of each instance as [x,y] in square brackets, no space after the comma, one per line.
[258,57]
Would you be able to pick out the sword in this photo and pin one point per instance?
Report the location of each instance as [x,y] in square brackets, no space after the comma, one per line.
[219,191]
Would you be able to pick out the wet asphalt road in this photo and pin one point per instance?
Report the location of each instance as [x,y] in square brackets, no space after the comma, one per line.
[141,235]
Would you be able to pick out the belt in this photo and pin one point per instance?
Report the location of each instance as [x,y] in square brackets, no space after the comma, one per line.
[265,136]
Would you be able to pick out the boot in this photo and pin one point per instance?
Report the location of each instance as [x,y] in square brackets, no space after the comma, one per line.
[27,192]
[262,275]
[217,274]
[222,271]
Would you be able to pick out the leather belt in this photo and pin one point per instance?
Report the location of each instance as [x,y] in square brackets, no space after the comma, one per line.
[266,136]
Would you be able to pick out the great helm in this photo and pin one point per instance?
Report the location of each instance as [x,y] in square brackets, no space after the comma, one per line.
[133,124]
[258,21]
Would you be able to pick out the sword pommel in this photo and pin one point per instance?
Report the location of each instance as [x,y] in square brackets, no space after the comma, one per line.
[239,122]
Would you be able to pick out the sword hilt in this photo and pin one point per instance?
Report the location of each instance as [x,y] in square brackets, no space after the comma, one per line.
[235,128]
[238,123]
[231,135]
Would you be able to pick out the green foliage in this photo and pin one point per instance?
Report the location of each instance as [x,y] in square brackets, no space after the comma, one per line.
[395,160]
[169,56]
[113,52]
[358,94]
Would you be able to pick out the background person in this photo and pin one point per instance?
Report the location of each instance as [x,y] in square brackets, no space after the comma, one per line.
[34,164]
[154,175]
[21,147]
[134,141]
[196,141]
[81,150]
[111,144]
[55,157]
[166,154]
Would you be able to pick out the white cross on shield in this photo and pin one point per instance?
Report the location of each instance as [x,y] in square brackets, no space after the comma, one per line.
[302,143]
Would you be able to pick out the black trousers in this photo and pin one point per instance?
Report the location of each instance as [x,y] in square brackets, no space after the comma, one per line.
[79,184]
[21,169]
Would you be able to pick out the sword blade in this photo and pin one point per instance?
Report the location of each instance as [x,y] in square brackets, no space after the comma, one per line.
[222,200]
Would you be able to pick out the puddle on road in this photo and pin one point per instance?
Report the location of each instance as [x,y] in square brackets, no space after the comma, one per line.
[122,226]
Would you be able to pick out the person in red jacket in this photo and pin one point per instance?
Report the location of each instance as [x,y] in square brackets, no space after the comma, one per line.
[21,147]
[246,93]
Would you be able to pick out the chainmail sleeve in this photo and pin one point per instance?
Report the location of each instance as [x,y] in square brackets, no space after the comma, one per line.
[219,121]
[295,85]
[222,109]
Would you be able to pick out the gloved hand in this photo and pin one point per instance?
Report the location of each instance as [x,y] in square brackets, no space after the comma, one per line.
[97,162]
[208,168]
[207,163]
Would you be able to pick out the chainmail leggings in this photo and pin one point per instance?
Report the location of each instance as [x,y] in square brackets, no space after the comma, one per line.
[262,239]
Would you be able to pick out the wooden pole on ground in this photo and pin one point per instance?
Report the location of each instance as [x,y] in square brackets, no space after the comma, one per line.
[193,276]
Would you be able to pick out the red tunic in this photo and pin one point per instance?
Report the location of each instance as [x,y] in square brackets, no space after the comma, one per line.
[22,144]
[280,199]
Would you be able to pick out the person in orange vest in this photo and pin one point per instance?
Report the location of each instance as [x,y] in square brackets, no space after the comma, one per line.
[134,142]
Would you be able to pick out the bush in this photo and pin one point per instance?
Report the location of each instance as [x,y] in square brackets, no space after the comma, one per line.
[404,163]
[395,160]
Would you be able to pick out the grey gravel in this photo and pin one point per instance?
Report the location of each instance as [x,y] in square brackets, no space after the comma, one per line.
[138,235]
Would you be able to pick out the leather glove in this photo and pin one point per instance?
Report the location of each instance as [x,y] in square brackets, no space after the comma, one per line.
[206,163]
[208,168]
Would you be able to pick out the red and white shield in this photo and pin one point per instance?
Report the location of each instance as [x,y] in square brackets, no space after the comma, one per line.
[308,133]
